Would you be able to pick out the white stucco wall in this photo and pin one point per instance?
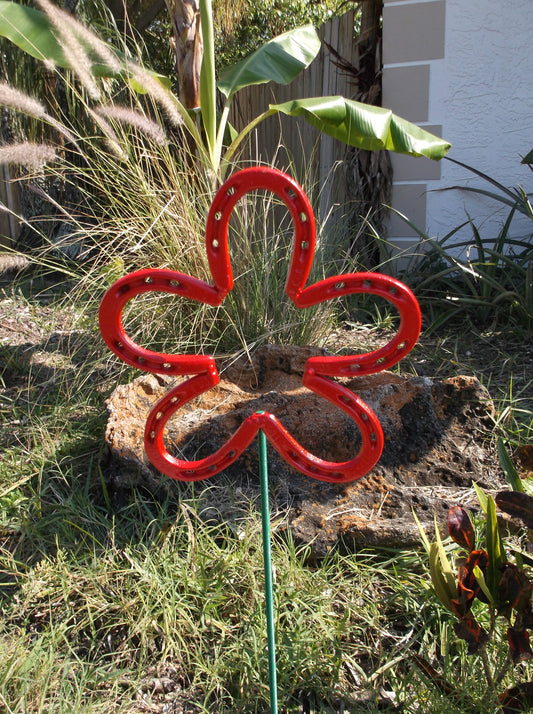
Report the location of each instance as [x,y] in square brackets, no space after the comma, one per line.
[481,94]
[483,97]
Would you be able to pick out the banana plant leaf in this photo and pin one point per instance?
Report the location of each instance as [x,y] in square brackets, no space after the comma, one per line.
[30,30]
[365,126]
[281,60]
[208,87]
[33,33]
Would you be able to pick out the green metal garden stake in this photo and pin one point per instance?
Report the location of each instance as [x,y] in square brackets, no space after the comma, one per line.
[267,560]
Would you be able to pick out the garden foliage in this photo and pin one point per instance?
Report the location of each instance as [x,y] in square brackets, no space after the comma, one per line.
[279,60]
[488,588]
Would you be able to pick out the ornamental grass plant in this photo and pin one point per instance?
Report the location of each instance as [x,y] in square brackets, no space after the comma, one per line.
[136,205]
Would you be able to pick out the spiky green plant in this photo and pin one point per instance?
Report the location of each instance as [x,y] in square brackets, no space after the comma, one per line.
[487,279]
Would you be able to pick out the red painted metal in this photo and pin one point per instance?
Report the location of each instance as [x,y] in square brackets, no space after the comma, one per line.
[318,371]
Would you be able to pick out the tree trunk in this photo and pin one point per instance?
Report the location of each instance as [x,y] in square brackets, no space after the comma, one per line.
[369,173]
[370,52]
[188,49]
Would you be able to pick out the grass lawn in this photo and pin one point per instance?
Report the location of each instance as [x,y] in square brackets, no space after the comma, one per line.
[140,606]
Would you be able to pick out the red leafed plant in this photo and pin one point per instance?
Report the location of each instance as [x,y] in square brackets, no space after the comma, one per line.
[494,577]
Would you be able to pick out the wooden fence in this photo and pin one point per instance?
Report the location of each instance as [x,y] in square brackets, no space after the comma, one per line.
[9,225]
[292,142]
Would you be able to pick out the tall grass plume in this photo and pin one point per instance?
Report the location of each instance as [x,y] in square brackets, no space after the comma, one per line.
[127,116]
[27,154]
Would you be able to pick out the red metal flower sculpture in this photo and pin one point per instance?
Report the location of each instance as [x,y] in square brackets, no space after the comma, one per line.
[318,371]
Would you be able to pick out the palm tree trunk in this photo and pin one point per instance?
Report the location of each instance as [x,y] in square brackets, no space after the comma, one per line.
[369,173]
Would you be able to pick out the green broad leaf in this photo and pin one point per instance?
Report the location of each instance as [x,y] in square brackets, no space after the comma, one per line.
[445,564]
[136,86]
[528,158]
[208,86]
[280,60]
[163,80]
[508,468]
[480,578]
[482,497]
[494,549]
[365,126]
[32,32]
[230,133]
[439,581]
[423,536]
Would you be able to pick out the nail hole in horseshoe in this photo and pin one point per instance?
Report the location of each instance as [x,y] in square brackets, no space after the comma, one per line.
[148,281]
[215,243]
[303,217]
[218,215]
[174,283]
